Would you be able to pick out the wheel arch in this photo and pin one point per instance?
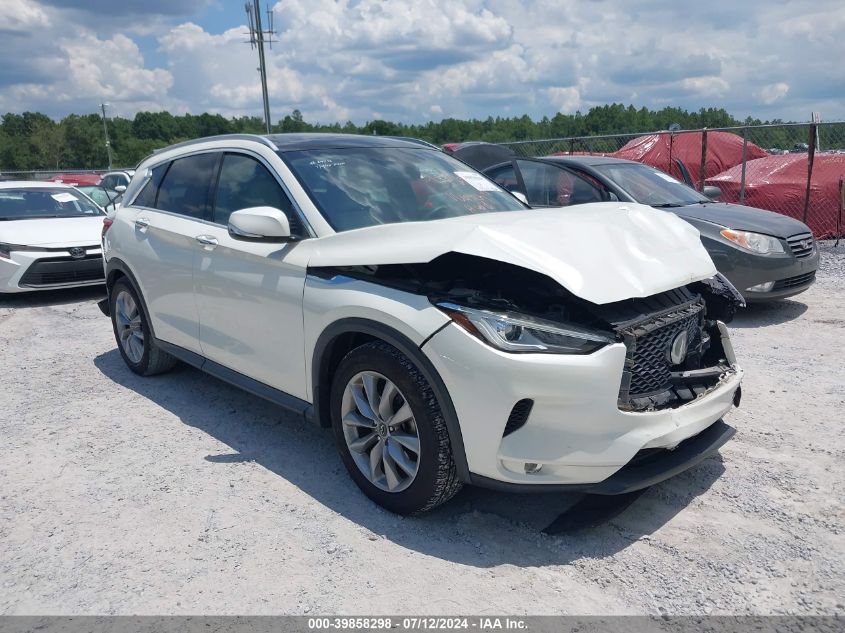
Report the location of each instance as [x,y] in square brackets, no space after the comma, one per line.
[346,334]
[116,268]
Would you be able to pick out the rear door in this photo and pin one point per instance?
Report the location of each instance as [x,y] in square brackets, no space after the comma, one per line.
[249,294]
[167,218]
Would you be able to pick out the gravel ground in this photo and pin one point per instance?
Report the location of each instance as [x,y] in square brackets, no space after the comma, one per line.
[181,495]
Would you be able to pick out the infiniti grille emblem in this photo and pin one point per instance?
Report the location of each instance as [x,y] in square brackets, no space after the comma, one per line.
[678,348]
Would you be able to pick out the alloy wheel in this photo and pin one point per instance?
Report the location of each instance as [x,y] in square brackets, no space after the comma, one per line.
[128,323]
[380,431]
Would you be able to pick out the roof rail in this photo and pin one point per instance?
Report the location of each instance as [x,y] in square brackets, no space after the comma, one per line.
[258,138]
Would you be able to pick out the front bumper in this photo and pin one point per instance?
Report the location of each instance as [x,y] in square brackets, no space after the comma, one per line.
[743,269]
[575,433]
[644,470]
[47,270]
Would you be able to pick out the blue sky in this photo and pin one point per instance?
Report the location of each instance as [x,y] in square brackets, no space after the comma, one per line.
[420,60]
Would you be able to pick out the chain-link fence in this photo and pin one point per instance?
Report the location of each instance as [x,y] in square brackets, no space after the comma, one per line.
[793,169]
[796,169]
[51,174]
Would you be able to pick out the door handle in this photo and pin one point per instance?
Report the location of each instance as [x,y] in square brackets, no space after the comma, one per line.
[142,224]
[208,241]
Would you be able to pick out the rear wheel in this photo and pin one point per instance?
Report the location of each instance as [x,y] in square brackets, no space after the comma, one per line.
[390,430]
[132,332]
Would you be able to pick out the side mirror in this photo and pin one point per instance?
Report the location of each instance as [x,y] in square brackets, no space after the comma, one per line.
[612,197]
[259,224]
[120,188]
[520,196]
[714,193]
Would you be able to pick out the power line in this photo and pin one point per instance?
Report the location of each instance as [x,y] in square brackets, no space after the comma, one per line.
[257,37]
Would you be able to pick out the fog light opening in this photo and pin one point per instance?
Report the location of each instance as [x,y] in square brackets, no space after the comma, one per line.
[763,287]
[531,468]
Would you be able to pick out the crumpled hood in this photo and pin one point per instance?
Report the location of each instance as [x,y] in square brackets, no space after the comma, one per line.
[601,252]
[53,232]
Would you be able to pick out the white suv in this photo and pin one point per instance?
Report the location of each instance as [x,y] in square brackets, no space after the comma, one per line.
[447,333]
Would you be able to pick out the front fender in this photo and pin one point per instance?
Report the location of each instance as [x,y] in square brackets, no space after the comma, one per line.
[339,308]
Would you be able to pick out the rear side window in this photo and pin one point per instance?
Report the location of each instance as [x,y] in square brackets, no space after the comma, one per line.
[186,185]
[548,185]
[244,182]
[505,176]
[147,197]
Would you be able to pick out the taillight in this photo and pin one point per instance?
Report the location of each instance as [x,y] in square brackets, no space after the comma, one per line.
[107,222]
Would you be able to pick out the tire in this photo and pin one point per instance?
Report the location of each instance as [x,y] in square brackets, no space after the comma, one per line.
[435,479]
[132,332]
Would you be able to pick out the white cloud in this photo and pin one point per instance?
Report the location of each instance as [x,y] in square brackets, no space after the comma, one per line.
[21,16]
[773,92]
[411,60]
[110,69]
[568,100]
[706,86]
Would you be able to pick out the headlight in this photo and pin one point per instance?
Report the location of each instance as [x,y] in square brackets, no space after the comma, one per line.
[754,242]
[511,332]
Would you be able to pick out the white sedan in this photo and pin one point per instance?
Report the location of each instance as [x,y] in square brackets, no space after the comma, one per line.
[49,237]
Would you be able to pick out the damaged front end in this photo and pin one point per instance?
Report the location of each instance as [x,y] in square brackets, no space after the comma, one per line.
[677,351]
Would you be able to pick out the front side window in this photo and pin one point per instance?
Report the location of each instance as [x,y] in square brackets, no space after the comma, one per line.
[651,186]
[244,182]
[43,202]
[186,185]
[360,187]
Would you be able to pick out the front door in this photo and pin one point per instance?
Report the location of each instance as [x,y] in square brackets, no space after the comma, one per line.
[249,294]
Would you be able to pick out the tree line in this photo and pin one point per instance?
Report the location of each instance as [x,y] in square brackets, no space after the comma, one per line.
[34,141]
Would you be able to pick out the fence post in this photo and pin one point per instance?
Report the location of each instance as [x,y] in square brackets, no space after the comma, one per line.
[811,154]
[841,207]
[671,147]
[701,171]
[744,160]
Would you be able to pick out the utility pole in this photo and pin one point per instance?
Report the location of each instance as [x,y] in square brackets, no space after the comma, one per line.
[257,36]
[106,132]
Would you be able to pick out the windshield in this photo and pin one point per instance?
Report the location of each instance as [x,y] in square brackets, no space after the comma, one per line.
[359,187]
[650,186]
[100,195]
[43,202]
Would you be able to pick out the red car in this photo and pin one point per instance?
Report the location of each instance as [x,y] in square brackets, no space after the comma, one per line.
[76,179]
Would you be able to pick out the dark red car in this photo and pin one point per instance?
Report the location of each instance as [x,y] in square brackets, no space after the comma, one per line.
[76,179]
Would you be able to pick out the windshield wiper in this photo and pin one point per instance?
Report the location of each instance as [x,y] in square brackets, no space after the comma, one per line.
[666,205]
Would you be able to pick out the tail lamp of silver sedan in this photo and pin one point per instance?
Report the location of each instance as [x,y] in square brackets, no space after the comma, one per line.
[448,334]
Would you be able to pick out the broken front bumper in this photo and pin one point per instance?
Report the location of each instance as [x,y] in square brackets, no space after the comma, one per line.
[575,433]
[647,468]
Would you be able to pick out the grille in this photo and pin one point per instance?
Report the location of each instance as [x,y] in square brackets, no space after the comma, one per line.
[519,416]
[648,367]
[801,244]
[792,282]
[63,270]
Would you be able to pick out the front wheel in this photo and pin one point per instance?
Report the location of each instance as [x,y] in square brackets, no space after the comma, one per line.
[390,430]
[132,332]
